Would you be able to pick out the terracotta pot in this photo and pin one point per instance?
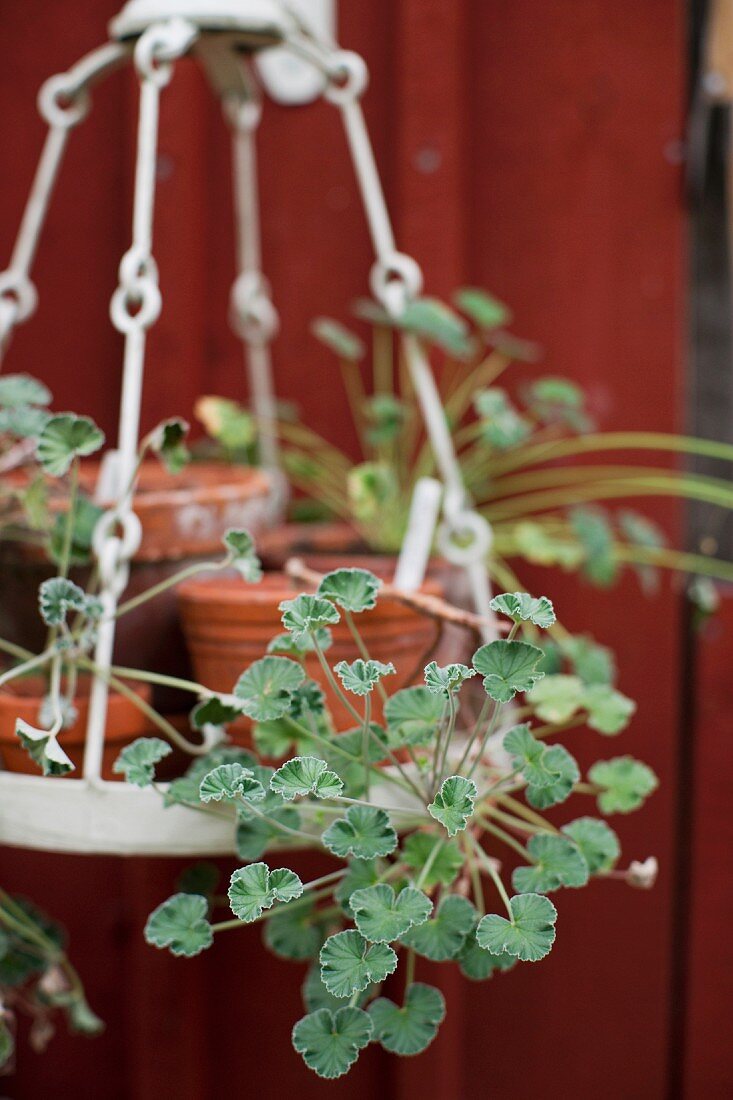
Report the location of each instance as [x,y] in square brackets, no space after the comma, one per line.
[183,517]
[228,625]
[307,540]
[22,699]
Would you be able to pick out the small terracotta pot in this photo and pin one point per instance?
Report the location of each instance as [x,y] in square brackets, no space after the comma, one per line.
[308,541]
[22,699]
[228,624]
[184,517]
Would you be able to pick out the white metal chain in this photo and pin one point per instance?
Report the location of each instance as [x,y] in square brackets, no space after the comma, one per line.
[464,537]
[63,102]
[253,315]
[135,307]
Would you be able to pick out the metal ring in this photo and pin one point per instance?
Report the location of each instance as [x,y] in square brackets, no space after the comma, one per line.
[254,316]
[161,45]
[132,532]
[350,69]
[17,287]
[396,280]
[465,523]
[136,266]
[143,294]
[63,116]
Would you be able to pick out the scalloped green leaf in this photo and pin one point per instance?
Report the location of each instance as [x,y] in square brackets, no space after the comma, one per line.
[242,554]
[595,534]
[217,710]
[43,748]
[64,438]
[228,781]
[529,935]
[446,680]
[306,775]
[181,924]
[411,1028]
[285,643]
[454,802]
[364,832]
[557,698]
[596,840]
[531,755]
[329,1042]
[304,615]
[294,932]
[557,862]
[353,590]
[417,850]
[168,441]
[17,390]
[360,677]
[412,716]
[502,426]
[266,688]
[564,766]
[137,761]
[521,607]
[593,663]
[609,711]
[254,888]
[382,916]
[625,783]
[349,963]
[477,964]
[507,668]
[442,936]
[57,596]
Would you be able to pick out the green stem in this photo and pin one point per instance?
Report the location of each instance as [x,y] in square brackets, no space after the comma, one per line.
[170,582]
[328,673]
[505,837]
[161,678]
[521,810]
[16,651]
[65,557]
[494,876]
[409,969]
[27,666]
[427,866]
[365,742]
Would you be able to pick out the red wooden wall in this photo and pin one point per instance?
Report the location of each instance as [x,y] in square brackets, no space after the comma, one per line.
[526,146]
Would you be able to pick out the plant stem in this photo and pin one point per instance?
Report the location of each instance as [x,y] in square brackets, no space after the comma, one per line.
[506,838]
[69,525]
[428,865]
[409,969]
[16,651]
[494,876]
[332,680]
[365,742]
[27,666]
[170,582]
[519,808]
[161,678]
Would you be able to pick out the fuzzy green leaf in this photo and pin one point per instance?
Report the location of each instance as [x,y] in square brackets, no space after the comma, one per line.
[43,749]
[595,534]
[17,390]
[338,339]
[361,677]
[285,643]
[217,710]
[412,1028]
[360,874]
[531,755]
[507,668]
[304,615]
[442,937]
[58,596]
[596,840]
[454,802]
[502,426]
[484,310]
[557,862]
[255,888]
[241,547]
[349,963]
[137,761]
[364,832]
[329,1042]
[412,716]
[383,916]
[306,775]
[592,662]
[417,849]
[624,783]
[266,688]
[478,964]
[293,933]
[521,607]
[181,925]
[434,321]
[446,680]
[529,935]
[609,711]
[354,590]
[557,760]
[228,781]
[557,698]
[65,438]
[168,441]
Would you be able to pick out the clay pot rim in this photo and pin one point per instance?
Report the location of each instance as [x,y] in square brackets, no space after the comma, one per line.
[230,587]
[201,481]
[36,685]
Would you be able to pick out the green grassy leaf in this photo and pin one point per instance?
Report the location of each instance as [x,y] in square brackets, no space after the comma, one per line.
[241,547]
[411,1028]
[65,438]
[353,590]
[412,716]
[417,849]
[521,607]
[529,936]
[306,775]
[330,1042]
[596,840]
[443,936]
[364,832]
[305,614]
[624,783]
[507,668]
[382,916]
[254,888]
[446,680]
[454,802]
[361,677]
[137,761]
[557,862]
[266,688]
[349,963]
[181,925]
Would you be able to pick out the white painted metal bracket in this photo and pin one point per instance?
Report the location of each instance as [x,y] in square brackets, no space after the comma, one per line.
[288,79]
